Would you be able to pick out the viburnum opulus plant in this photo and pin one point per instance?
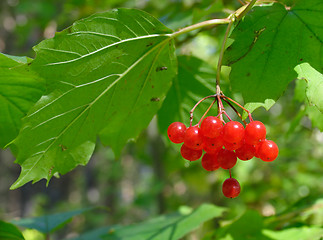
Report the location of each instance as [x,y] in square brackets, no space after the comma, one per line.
[221,142]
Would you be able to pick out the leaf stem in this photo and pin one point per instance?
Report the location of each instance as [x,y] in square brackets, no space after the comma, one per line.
[192,111]
[246,10]
[199,25]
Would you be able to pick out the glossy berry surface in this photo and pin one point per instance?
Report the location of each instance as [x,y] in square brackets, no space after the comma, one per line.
[190,154]
[267,150]
[211,127]
[176,132]
[246,152]
[210,162]
[226,158]
[212,143]
[231,188]
[193,138]
[232,146]
[255,132]
[233,132]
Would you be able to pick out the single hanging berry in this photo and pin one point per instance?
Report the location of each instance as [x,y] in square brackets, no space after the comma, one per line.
[255,132]
[211,127]
[233,132]
[267,150]
[246,152]
[231,188]
[226,158]
[176,132]
[210,162]
[190,154]
[193,138]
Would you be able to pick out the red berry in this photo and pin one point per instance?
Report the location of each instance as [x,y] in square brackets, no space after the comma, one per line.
[212,143]
[231,188]
[227,158]
[193,138]
[255,132]
[190,154]
[176,132]
[267,150]
[210,162]
[246,152]
[232,146]
[211,127]
[210,150]
[233,132]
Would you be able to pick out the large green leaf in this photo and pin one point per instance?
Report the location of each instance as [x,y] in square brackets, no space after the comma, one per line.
[9,231]
[19,90]
[269,42]
[196,79]
[170,227]
[49,223]
[109,74]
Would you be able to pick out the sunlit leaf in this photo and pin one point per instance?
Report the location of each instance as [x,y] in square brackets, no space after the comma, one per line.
[269,42]
[107,74]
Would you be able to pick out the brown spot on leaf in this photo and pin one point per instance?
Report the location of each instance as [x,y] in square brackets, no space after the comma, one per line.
[155,99]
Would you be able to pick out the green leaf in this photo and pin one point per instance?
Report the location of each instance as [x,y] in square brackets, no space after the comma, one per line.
[170,227]
[195,80]
[109,74]
[9,231]
[248,226]
[19,90]
[269,42]
[304,233]
[252,106]
[314,79]
[49,223]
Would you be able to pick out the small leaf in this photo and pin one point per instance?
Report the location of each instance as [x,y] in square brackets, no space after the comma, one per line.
[171,227]
[49,223]
[252,106]
[269,42]
[19,90]
[304,233]
[108,74]
[9,231]
[314,79]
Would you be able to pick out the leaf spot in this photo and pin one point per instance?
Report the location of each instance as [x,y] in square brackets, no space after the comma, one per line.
[64,148]
[155,99]
[161,68]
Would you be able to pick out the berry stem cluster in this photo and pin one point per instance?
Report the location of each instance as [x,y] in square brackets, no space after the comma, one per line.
[221,143]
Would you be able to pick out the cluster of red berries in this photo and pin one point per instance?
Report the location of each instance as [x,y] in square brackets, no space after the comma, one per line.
[223,143]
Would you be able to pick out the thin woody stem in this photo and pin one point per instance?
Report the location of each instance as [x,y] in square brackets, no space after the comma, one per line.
[207,23]
[199,123]
[236,111]
[218,71]
[239,105]
[192,111]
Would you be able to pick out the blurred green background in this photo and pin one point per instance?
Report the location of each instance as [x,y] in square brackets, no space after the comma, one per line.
[151,177]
